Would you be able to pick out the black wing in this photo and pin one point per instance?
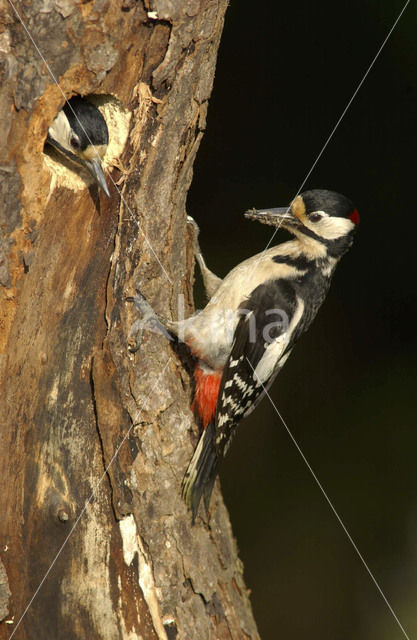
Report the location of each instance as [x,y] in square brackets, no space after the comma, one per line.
[270,320]
[262,341]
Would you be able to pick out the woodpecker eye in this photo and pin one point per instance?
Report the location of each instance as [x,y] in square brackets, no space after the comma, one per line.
[315,217]
[75,142]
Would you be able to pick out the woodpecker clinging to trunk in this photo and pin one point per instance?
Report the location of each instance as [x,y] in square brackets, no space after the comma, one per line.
[80,132]
[246,332]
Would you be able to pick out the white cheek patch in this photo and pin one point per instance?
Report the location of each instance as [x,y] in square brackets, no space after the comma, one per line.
[60,130]
[331,228]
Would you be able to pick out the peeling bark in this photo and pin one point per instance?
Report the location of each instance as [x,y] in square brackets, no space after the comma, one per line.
[126,561]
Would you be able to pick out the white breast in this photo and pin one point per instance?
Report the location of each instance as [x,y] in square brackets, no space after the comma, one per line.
[210,332]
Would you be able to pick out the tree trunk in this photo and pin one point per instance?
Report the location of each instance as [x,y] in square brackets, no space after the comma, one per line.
[94,535]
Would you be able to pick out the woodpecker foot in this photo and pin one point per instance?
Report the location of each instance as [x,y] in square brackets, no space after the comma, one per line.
[149,320]
[196,233]
[193,223]
[211,281]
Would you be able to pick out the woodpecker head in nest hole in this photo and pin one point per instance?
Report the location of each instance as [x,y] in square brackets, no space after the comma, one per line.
[80,132]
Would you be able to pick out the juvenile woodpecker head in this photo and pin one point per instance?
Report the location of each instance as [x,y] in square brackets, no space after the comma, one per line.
[80,132]
[324,216]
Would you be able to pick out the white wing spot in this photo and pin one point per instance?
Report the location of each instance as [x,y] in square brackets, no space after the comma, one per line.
[223,418]
[241,384]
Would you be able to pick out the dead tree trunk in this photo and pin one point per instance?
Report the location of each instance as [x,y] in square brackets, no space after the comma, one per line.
[95,553]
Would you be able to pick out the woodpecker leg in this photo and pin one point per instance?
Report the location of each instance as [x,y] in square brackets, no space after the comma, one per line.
[149,320]
[210,280]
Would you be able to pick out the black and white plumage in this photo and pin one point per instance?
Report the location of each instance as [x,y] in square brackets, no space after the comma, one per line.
[80,132]
[255,315]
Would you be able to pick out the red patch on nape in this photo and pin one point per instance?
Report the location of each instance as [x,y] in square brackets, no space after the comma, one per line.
[206,393]
[354,216]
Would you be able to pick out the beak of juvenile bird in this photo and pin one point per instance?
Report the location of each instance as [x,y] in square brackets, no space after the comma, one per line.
[90,162]
[280,216]
[96,170]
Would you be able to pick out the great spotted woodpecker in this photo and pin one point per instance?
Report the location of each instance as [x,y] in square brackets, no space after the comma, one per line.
[246,332]
[80,133]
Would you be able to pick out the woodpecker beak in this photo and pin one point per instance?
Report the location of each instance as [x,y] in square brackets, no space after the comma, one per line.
[93,165]
[96,170]
[280,216]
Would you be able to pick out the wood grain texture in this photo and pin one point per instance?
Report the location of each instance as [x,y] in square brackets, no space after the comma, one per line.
[72,394]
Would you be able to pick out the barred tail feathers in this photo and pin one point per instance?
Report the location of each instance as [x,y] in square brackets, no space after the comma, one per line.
[202,471]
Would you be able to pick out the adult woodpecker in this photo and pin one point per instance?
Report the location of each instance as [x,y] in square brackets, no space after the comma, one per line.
[246,332]
[80,132]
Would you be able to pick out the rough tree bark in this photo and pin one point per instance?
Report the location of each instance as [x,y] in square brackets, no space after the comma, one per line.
[126,561]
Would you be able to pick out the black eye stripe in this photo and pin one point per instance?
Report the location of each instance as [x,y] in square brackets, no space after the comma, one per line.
[75,142]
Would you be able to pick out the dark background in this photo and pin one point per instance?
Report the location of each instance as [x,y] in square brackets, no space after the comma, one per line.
[285,74]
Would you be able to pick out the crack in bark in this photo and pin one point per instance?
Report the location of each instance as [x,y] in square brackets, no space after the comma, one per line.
[66,298]
[100,439]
